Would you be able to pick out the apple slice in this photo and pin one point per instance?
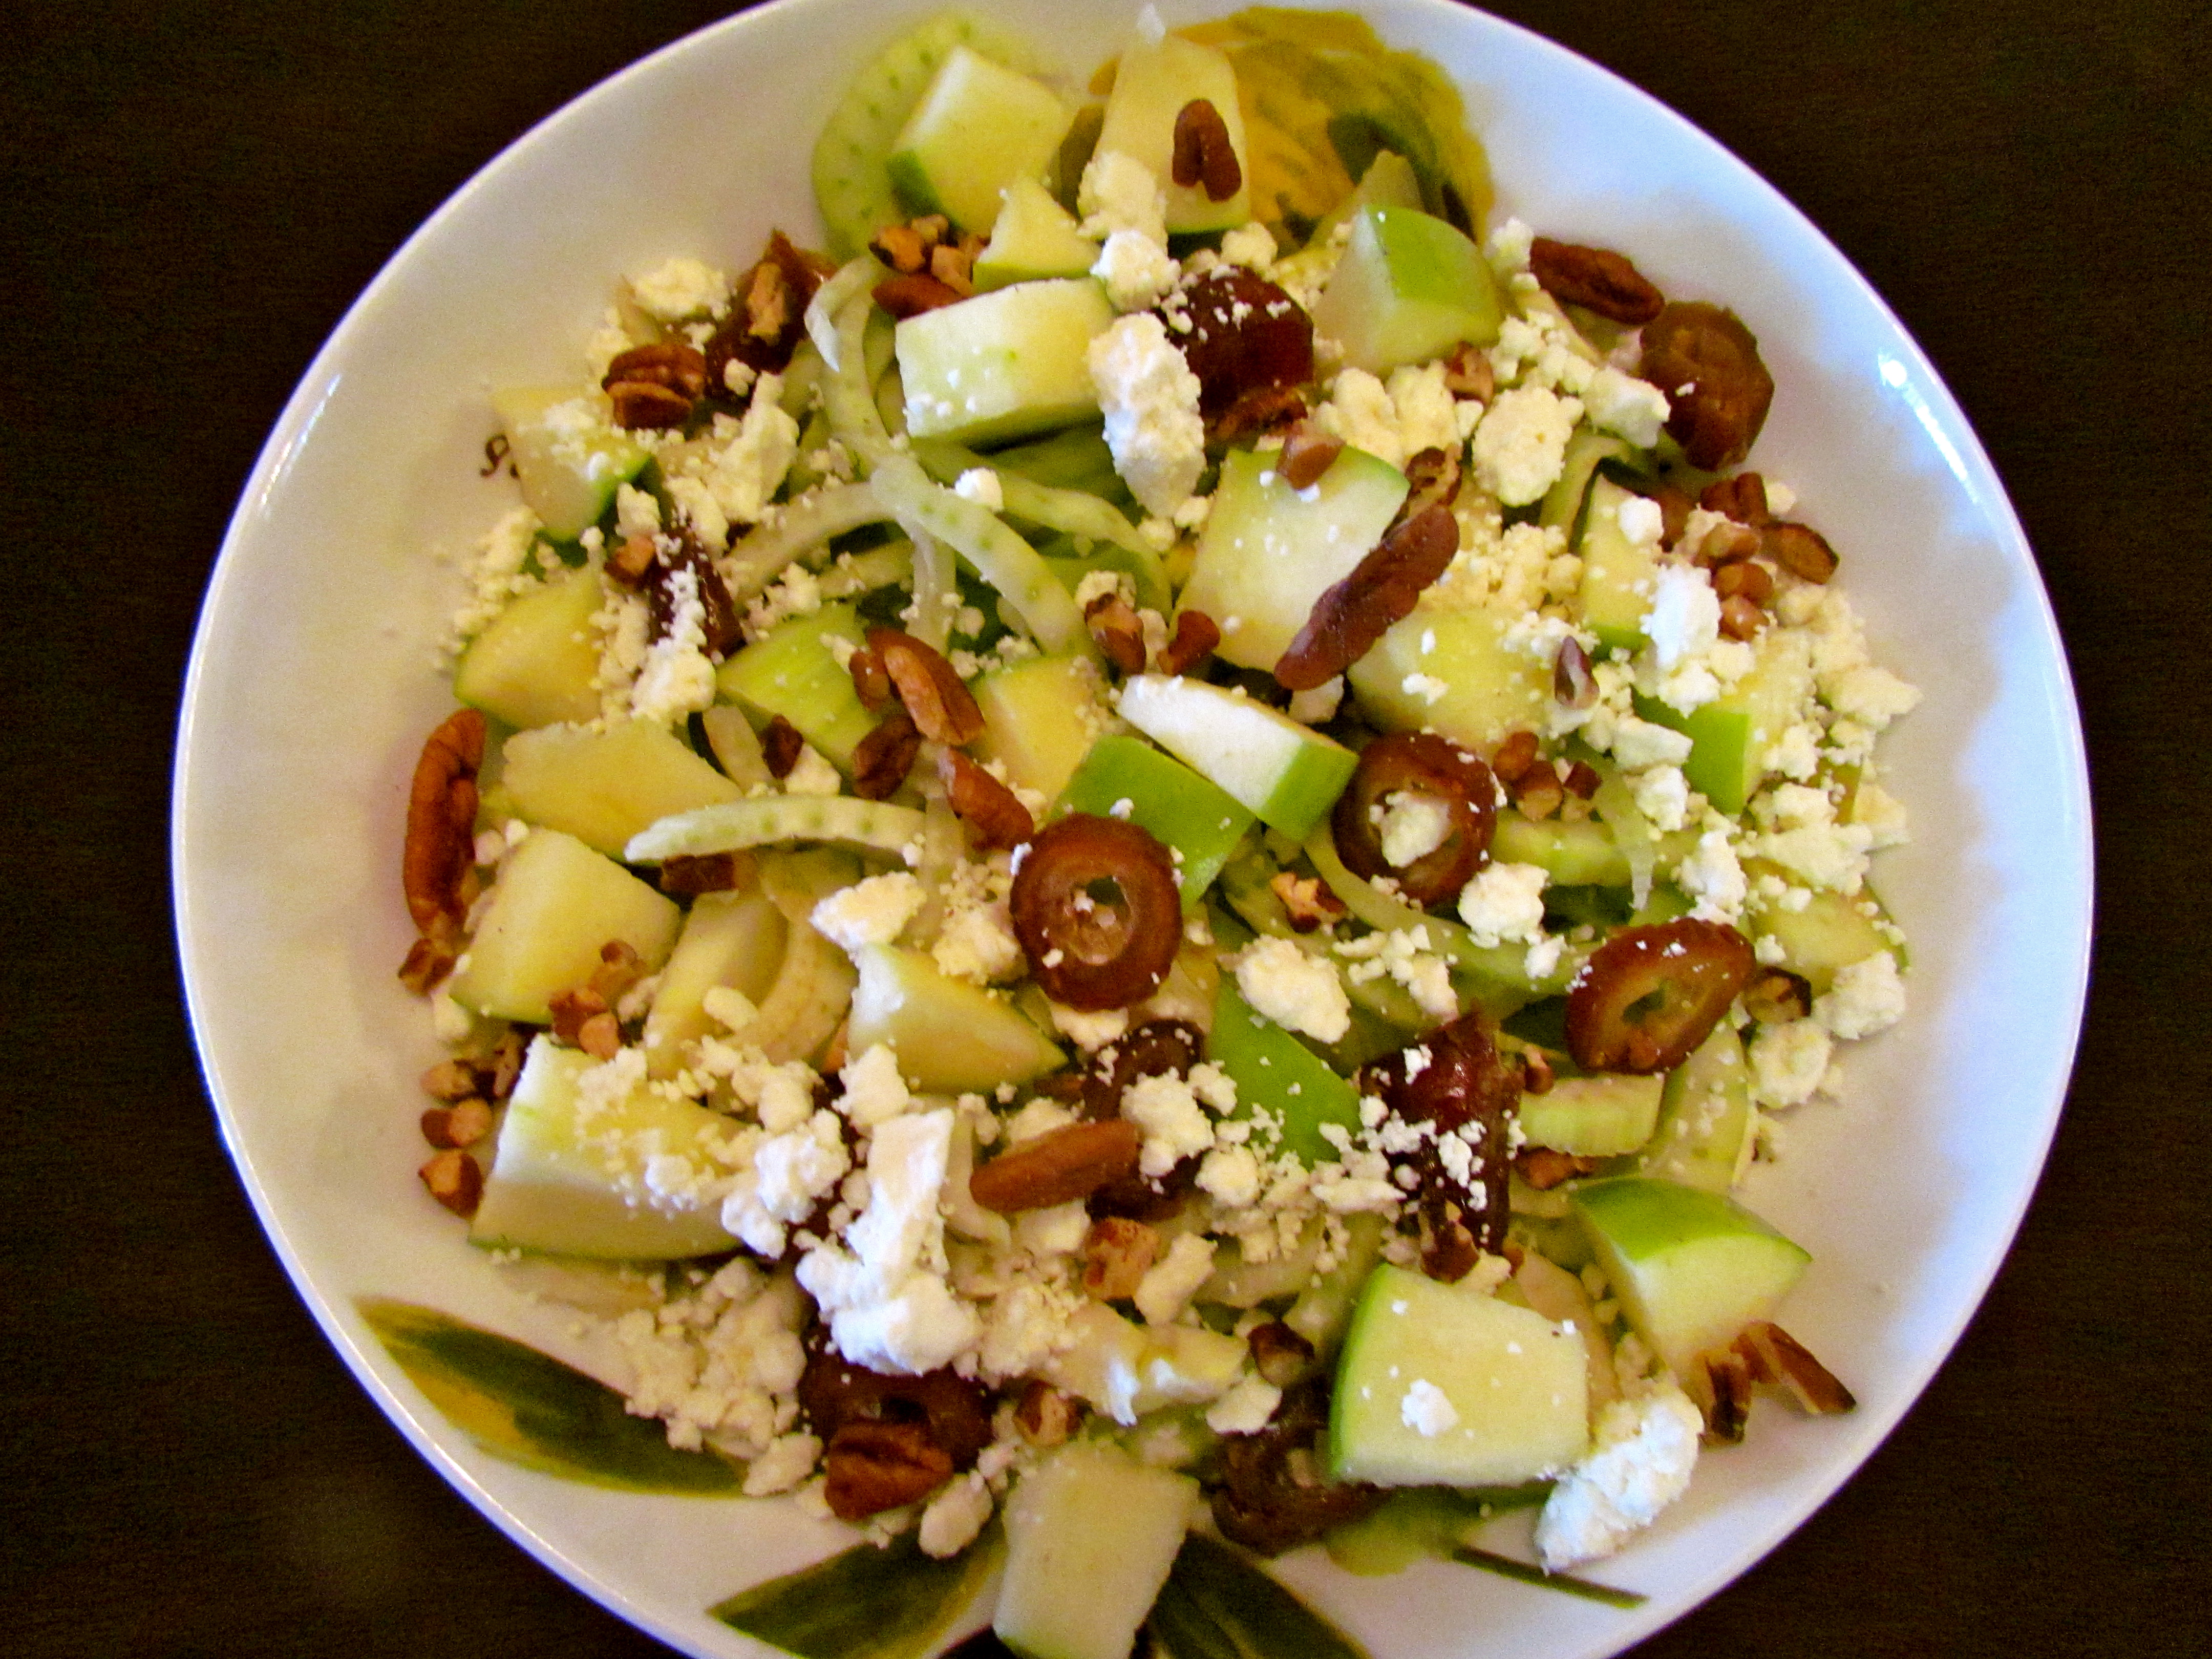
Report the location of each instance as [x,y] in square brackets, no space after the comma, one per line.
[1275,1073]
[1444,1385]
[535,662]
[1289,775]
[1152,82]
[1090,1535]
[793,672]
[1033,238]
[1692,1267]
[1408,287]
[950,1037]
[570,1175]
[979,128]
[568,459]
[1451,671]
[1039,718]
[603,786]
[1200,823]
[1004,364]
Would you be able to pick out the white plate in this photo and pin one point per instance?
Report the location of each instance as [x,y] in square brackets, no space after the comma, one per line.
[312,687]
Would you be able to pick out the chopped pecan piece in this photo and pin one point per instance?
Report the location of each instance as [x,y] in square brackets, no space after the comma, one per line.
[781,742]
[1775,1356]
[452,1080]
[1596,279]
[571,1009]
[1058,1167]
[874,1466]
[1113,626]
[426,964]
[1195,636]
[1536,1074]
[1739,618]
[1746,578]
[940,703]
[1724,1382]
[1044,1415]
[687,876]
[505,1064]
[1117,1253]
[1776,996]
[1800,549]
[994,815]
[885,755]
[950,266]
[911,295]
[1262,408]
[631,563]
[870,684]
[1434,475]
[656,386]
[1582,779]
[1743,498]
[900,247]
[1307,901]
[1307,454]
[1573,684]
[1382,588]
[620,968]
[1468,373]
[641,406]
[455,1179]
[1203,153]
[1543,1168]
[463,1123]
[1514,756]
[1537,792]
[1726,543]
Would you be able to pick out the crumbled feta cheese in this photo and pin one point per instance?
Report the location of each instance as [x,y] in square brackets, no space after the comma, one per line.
[676,678]
[1246,1409]
[1250,245]
[636,512]
[1230,1174]
[1621,404]
[1320,704]
[872,911]
[1170,1283]
[1413,826]
[955,1516]
[1521,443]
[789,1459]
[1507,247]
[1421,406]
[680,288]
[1293,988]
[980,485]
[875,1093]
[1662,795]
[1504,903]
[1426,1409]
[1639,745]
[1056,1229]
[1136,270]
[1359,413]
[812,775]
[791,1174]
[1119,192]
[1685,617]
[1867,997]
[1150,400]
[1873,697]
[1880,812]
[1090,1032]
[699,508]
[1713,878]
[747,458]
[728,1007]
[1787,1062]
[1175,1127]
[1831,855]
[1642,521]
[1641,1462]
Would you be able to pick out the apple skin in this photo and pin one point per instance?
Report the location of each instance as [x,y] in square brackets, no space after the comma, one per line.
[1407,288]
[1289,775]
[1691,1267]
[1187,812]
[1274,1070]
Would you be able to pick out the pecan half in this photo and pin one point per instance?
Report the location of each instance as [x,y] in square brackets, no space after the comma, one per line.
[437,867]
[994,815]
[1203,153]
[1117,1254]
[1514,756]
[1596,279]
[908,296]
[656,386]
[874,1466]
[1349,617]
[885,755]
[1196,637]
[1058,1167]
[1113,626]
[1743,498]
[940,703]
[780,743]
[870,684]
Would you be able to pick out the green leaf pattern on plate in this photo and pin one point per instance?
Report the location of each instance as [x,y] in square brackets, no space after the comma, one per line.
[890,1602]
[527,1408]
[1216,1604]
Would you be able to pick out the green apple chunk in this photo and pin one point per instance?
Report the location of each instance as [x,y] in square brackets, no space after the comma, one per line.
[1573,853]
[1506,1394]
[1090,1534]
[1707,1122]
[569,1173]
[1152,82]
[568,457]
[1831,932]
[1289,775]
[1033,238]
[1269,551]
[1730,737]
[1277,1074]
[1450,671]
[1199,822]
[1002,364]
[1129,1371]
[951,1037]
[1601,1117]
[978,129]
[1692,1268]
[1587,450]
[1039,718]
[603,786]
[534,662]
[555,902]
[1408,287]
[734,939]
[795,673]
[1619,576]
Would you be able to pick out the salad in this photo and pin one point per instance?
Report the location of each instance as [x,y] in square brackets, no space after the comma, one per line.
[1140,844]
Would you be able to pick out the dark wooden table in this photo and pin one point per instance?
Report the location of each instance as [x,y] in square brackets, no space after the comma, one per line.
[194,193]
